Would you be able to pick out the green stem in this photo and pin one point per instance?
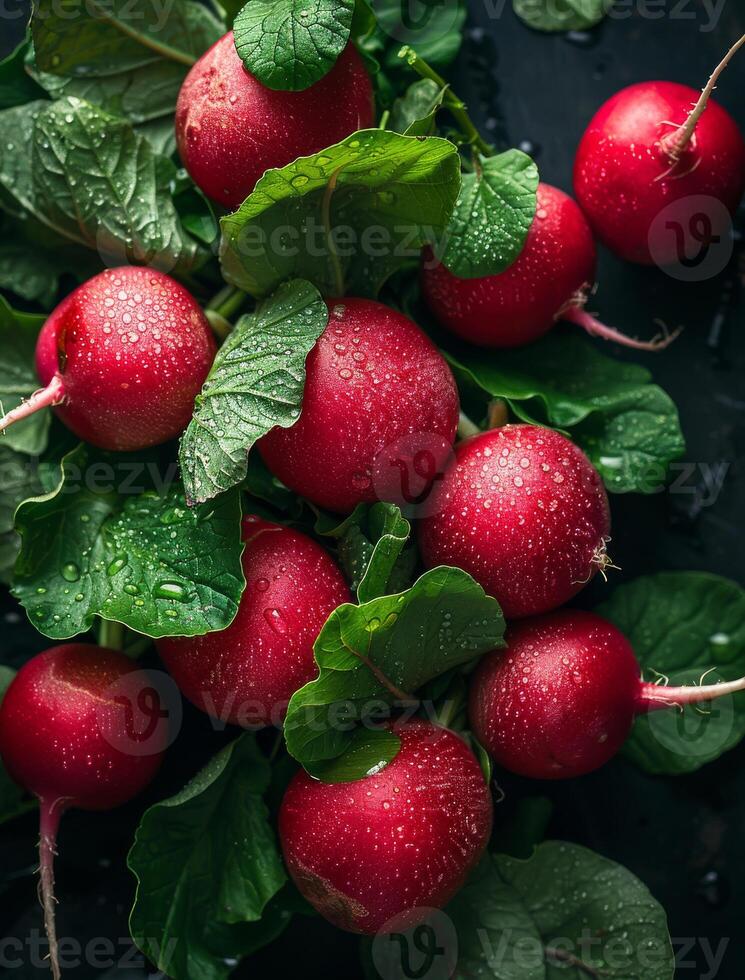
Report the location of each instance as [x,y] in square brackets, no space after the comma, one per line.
[221,327]
[326,216]
[466,427]
[227,302]
[111,634]
[451,102]
[454,703]
[173,54]
[384,119]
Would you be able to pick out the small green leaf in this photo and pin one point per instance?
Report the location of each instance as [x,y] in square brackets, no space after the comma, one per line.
[16,86]
[255,384]
[19,480]
[371,541]
[129,57]
[492,218]
[682,625]
[563,912]
[208,866]
[345,218]
[139,558]
[92,180]
[18,379]
[371,654]
[561,15]
[414,114]
[367,753]
[291,44]
[13,800]
[628,427]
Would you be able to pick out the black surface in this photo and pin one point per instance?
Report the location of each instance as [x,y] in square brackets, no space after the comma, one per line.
[683,836]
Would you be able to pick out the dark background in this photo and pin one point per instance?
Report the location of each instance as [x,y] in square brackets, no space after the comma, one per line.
[682,836]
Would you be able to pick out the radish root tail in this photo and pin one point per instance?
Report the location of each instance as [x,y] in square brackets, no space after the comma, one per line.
[49,824]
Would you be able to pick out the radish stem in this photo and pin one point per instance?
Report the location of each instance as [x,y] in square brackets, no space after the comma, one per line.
[451,102]
[53,394]
[579,316]
[654,697]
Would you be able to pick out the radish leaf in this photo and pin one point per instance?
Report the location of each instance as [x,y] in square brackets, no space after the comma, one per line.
[345,218]
[291,44]
[255,384]
[100,545]
[682,626]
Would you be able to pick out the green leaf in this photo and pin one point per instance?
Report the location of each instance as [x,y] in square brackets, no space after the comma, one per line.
[13,800]
[628,427]
[291,44]
[98,545]
[16,86]
[29,274]
[564,912]
[264,486]
[434,29]
[129,57]
[369,653]
[87,176]
[683,625]
[345,218]
[18,379]
[414,114]
[207,866]
[371,542]
[561,15]
[493,216]
[19,480]
[255,384]
[367,752]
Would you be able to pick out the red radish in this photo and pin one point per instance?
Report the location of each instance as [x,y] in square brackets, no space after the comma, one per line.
[69,734]
[381,852]
[647,149]
[561,700]
[549,281]
[376,386]
[122,359]
[523,511]
[247,673]
[230,128]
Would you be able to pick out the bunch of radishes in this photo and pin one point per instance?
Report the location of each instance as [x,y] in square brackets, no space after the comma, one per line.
[518,507]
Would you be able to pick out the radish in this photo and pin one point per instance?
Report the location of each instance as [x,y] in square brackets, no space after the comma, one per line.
[380,406]
[523,511]
[68,735]
[646,150]
[549,281]
[247,673]
[561,700]
[122,359]
[378,854]
[230,128]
